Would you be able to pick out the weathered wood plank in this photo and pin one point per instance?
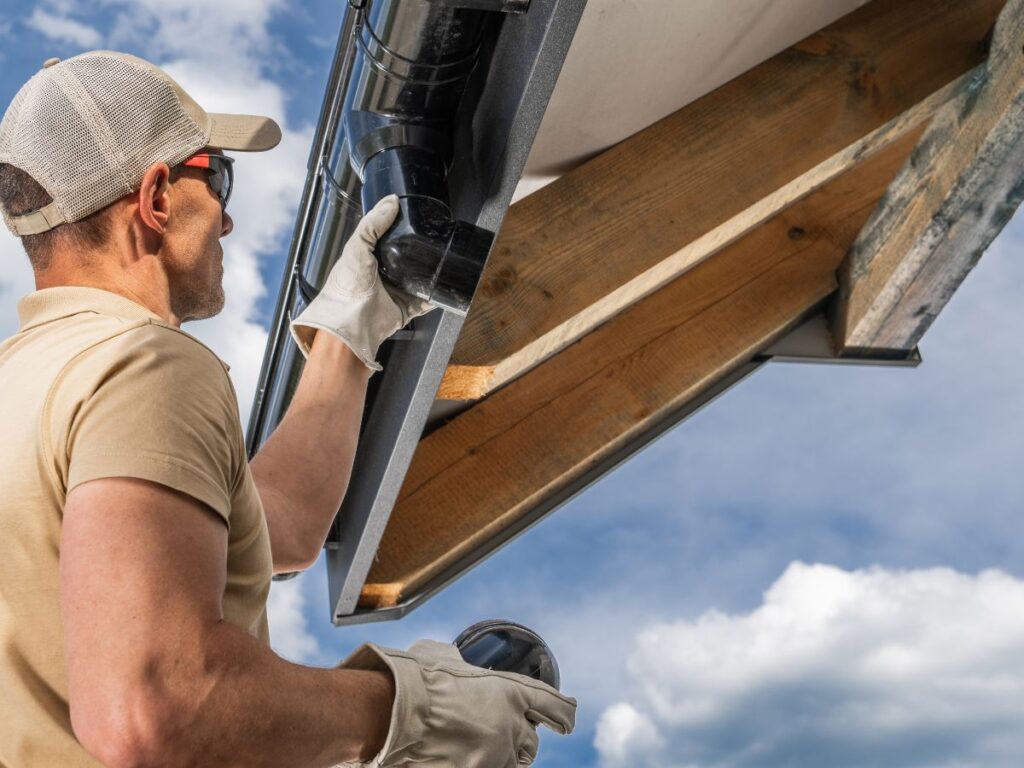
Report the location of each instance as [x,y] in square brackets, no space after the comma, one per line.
[580,250]
[958,190]
[485,469]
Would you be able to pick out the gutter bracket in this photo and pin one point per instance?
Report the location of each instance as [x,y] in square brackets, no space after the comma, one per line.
[812,343]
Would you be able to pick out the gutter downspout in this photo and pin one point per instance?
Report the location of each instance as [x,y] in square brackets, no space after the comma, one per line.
[495,100]
[399,75]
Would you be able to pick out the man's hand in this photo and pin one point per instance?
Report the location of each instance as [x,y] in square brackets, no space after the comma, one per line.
[355,304]
[450,713]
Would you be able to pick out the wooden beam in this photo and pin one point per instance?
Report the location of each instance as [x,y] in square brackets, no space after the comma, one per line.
[486,469]
[583,248]
[956,193]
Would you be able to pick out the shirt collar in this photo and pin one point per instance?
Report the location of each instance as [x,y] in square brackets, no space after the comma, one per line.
[51,304]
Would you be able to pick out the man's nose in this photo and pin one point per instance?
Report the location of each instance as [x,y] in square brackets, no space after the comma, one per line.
[226,224]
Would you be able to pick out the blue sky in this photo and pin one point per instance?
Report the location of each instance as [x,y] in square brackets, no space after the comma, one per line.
[823,567]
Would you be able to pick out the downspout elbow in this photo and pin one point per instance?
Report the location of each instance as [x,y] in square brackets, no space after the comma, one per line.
[427,253]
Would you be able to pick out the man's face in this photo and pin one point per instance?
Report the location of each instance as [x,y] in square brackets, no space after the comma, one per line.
[195,257]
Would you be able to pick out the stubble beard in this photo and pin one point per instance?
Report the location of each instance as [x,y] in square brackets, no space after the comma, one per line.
[199,296]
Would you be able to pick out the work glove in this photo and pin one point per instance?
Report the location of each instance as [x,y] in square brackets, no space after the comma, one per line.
[356,305]
[449,713]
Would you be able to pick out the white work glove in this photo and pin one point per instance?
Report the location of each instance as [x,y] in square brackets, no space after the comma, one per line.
[448,713]
[356,305]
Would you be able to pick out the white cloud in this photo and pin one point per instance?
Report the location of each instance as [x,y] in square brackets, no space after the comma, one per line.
[289,631]
[229,31]
[16,280]
[870,667]
[623,731]
[64,29]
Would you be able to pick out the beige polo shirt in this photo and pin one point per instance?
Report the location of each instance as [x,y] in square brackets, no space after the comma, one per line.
[94,385]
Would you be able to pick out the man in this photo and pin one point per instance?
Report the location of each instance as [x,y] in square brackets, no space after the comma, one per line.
[138,543]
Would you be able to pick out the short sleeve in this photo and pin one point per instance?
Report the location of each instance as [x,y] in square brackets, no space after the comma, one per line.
[151,403]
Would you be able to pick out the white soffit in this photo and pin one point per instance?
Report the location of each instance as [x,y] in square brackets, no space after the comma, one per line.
[633,62]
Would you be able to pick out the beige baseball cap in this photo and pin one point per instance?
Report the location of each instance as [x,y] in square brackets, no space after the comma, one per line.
[88,128]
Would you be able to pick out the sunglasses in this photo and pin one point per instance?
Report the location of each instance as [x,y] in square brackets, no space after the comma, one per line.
[221,176]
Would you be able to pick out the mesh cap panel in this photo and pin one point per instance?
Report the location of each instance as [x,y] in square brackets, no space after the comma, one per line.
[159,129]
[88,128]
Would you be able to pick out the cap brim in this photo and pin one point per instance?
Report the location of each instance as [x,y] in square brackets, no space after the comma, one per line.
[243,133]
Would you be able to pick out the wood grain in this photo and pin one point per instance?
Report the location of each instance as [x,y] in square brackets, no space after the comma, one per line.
[956,193]
[577,252]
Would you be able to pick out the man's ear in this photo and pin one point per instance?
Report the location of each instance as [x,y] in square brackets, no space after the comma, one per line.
[154,197]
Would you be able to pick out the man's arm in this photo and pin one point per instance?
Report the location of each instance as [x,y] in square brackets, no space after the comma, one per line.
[303,469]
[157,677]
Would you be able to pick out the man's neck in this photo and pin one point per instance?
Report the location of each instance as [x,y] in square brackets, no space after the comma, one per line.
[147,287]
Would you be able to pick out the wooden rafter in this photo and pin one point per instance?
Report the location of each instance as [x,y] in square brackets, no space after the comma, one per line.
[960,188]
[605,235]
[486,468]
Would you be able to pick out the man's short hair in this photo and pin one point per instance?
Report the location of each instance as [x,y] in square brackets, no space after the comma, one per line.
[21,194]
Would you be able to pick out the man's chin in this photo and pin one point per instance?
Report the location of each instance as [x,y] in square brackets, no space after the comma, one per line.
[216,305]
[210,305]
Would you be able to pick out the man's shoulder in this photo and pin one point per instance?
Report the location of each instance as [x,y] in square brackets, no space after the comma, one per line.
[155,343]
[183,343]
[143,359]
